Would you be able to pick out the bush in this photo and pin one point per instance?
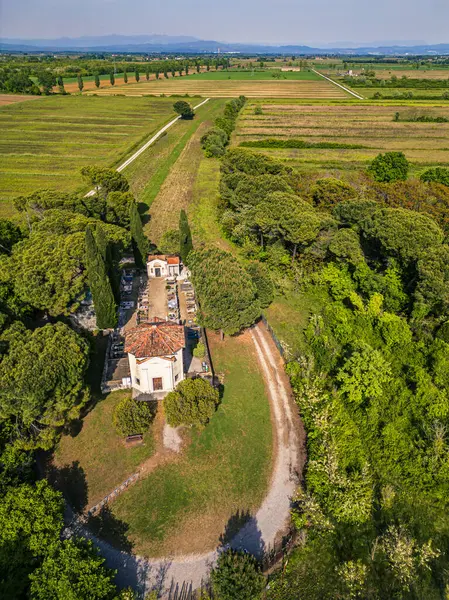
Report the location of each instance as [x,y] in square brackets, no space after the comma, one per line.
[132,416]
[258,110]
[192,403]
[388,167]
[436,175]
[200,350]
[237,576]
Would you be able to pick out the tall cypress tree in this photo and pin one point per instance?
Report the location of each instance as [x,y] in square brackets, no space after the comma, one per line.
[185,237]
[140,242]
[99,284]
[111,257]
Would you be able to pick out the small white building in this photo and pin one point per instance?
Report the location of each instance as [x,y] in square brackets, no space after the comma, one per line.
[155,354]
[163,265]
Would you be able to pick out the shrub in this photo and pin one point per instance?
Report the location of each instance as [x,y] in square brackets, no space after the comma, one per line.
[132,416]
[192,403]
[169,243]
[388,167]
[258,110]
[436,175]
[200,350]
[237,576]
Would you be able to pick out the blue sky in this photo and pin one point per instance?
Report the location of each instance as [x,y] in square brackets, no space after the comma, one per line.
[270,21]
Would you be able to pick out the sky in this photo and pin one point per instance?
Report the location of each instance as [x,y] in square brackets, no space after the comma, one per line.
[263,21]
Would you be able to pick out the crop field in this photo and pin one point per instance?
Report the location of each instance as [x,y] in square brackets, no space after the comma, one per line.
[44,143]
[255,75]
[231,88]
[13,98]
[369,127]
[418,93]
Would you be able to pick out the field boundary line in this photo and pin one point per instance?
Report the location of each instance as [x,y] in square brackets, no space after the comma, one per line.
[147,145]
[339,85]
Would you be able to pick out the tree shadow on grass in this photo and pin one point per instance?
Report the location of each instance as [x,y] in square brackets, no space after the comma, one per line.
[71,481]
[108,527]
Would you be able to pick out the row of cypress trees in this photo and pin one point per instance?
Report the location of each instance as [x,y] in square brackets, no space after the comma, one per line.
[102,264]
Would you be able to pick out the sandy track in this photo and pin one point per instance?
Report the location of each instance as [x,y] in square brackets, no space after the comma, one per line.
[270,522]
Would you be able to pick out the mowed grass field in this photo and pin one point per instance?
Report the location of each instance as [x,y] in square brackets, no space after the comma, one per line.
[44,143]
[213,85]
[370,126]
[184,507]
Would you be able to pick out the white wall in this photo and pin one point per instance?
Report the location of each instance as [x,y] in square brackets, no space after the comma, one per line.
[171,372]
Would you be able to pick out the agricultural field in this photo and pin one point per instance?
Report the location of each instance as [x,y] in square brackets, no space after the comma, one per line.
[44,143]
[369,129]
[231,86]
[13,98]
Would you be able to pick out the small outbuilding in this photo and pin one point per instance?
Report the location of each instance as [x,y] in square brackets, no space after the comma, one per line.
[163,265]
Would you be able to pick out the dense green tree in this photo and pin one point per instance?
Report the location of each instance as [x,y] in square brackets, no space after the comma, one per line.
[99,284]
[73,570]
[329,191]
[125,77]
[436,174]
[112,78]
[185,237]
[193,402]
[388,167]
[97,80]
[170,242]
[105,180]
[10,234]
[31,518]
[237,576]
[137,76]
[227,295]
[364,375]
[132,416]
[41,377]
[183,109]
[391,228]
[47,81]
[433,279]
[262,280]
[80,83]
[139,240]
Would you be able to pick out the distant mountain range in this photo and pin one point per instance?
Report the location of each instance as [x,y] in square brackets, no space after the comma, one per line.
[155,43]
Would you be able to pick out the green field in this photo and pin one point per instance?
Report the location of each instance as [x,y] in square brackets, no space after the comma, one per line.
[44,143]
[256,75]
[369,126]
[183,507]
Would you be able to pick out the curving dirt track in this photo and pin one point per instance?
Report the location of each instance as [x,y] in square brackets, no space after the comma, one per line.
[263,530]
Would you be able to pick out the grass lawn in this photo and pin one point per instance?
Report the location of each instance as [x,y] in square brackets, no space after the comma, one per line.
[44,143]
[202,212]
[289,314]
[99,453]
[256,75]
[184,507]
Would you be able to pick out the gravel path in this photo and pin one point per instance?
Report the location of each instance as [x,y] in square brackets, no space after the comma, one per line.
[261,532]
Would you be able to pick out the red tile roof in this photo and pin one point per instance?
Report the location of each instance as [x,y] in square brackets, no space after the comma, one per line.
[171,260]
[158,338]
